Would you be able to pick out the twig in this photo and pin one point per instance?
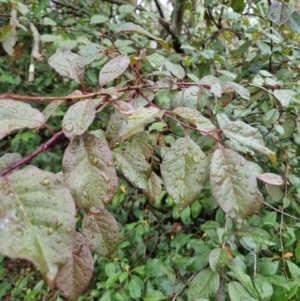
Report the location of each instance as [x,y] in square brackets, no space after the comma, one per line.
[183,288]
[70,97]
[28,158]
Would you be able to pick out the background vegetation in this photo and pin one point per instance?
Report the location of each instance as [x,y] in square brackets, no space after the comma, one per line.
[222,74]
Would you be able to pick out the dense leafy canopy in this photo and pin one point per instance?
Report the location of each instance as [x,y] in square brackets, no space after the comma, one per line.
[192,105]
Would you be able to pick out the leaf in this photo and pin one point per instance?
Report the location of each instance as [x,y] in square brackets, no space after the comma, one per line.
[263,286]
[258,236]
[242,49]
[238,6]
[79,117]
[238,293]
[271,116]
[294,22]
[8,159]
[123,107]
[113,69]
[233,184]
[89,173]
[135,123]
[156,60]
[102,232]
[264,48]
[153,191]
[280,13]
[271,178]
[91,52]
[294,270]
[243,92]
[37,220]
[75,275]
[112,131]
[245,138]
[51,108]
[154,295]
[143,143]
[130,27]
[276,193]
[134,167]
[184,170]
[196,118]
[241,275]
[17,115]
[175,69]
[134,289]
[68,64]
[8,37]
[217,258]
[96,19]
[204,285]
[285,96]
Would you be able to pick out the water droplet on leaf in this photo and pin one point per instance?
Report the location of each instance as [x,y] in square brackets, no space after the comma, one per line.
[68,128]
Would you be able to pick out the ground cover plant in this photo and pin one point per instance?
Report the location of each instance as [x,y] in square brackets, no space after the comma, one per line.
[149,150]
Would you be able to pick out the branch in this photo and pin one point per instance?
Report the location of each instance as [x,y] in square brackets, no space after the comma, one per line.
[71,97]
[28,158]
[160,11]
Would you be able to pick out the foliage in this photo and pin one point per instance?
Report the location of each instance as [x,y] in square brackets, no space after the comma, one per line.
[198,115]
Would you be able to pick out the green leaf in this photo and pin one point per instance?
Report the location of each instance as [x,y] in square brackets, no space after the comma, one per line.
[276,193]
[175,69]
[280,13]
[294,22]
[238,293]
[238,6]
[76,274]
[91,52]
[17,115]
[204,285]
[154,295]
[263,286]
[242,276]
[135,123]
[184,170]
[143,143]
[79,117]
[102,232]
[134,289]
[112,131]
[271,116]
[156,60]
[8,159]
[97,19]
[113,69]
[233,185]
[243,92]
[264,48]
[51,108]
[196,118]
[130,27]
[281,294]
[89,173]
[285,96]
[134,167]
[245,138]
[294,270]
[258,236]
[37,220]
[8,37]
[154,189]
[217,258]
[242,49]
[68,64]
